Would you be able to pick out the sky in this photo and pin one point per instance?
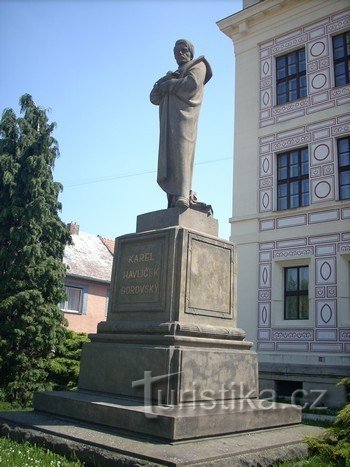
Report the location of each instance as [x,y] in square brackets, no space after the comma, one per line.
[92,64]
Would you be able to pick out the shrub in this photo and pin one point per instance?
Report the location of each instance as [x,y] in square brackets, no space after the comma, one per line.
[335,443]
[64,367]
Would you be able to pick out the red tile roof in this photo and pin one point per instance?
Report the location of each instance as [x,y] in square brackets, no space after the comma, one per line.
[108,243]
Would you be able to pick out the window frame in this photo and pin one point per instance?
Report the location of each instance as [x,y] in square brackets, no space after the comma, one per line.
[341,169]
[345,59]
[300,178]
[64,304]
[288,78]
[297,293]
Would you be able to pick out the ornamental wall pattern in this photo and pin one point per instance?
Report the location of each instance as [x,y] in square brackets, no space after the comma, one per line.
[321,94]
[321,140]
[324,333]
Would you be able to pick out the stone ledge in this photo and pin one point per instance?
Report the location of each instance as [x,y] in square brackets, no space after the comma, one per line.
[188,421]
[178,217]
[101,446]
[307,369]
[175,328]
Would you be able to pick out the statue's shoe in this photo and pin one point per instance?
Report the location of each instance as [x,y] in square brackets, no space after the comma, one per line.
[182,202]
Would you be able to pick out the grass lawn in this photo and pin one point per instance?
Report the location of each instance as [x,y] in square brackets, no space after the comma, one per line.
[13,454]
[314,461]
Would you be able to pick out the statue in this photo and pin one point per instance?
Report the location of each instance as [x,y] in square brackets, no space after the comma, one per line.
[179,95]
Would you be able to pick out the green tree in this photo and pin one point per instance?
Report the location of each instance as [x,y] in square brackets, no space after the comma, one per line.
[32,241]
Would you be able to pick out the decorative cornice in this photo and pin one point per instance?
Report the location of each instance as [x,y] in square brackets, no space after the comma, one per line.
[239,23]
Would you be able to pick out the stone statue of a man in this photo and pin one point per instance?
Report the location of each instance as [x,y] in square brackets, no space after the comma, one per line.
[179,95]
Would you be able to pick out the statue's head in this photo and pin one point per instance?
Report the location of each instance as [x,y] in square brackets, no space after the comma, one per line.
[183,51]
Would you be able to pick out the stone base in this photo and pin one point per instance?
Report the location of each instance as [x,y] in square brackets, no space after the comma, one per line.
[181,373]
[98,446]
[178,217]
[176,423]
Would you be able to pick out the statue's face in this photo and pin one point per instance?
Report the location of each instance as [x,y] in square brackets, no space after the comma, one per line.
[182,53]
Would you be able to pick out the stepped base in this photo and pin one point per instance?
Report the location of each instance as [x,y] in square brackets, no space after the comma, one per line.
[181,422]
[96,445]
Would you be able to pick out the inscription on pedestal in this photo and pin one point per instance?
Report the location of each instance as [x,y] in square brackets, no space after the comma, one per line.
[140,274]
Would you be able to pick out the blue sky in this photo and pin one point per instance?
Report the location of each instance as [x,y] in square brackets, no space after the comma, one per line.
[93,63]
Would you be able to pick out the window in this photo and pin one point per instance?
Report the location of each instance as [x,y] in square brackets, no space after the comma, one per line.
[74,300]
[296,292]
[286,388]
[341,57]
[344,167]
[291,76]
[292,179]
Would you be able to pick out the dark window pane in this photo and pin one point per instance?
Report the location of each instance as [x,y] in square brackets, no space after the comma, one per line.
[304,278]
[292,95]
[305,199]
[339,52]
[292,69]
[304,168]
[291,279]
[302,82]
[304,307]
[305,186]
[345,192]
[282,204]
[281,73]
[282,190]
[294,201]
[303,92]
[294,170]
[302,61]
[344,159]
[304,155]
[282,173]
[283,160]
[340,69]
[281,62]
[282,99]
[294,188]
[281,89]
[344,178]
[343,145]
[338,41]
[292,307]
[294,157]
[292,84]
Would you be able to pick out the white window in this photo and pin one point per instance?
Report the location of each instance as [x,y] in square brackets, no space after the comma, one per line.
[74,300]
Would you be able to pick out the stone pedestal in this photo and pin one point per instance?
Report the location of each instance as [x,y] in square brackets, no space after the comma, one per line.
[170,361]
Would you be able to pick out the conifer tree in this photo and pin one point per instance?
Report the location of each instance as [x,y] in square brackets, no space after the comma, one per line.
[32,241]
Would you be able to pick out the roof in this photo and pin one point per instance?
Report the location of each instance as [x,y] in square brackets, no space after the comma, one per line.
[89,256]
[108,243]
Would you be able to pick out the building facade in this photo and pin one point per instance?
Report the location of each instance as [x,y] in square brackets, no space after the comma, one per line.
[89,261]
[291,190]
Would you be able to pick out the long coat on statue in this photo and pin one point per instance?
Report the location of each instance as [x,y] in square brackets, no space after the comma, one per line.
[179,101]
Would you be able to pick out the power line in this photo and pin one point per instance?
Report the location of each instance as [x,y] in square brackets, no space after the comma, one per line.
[107,178]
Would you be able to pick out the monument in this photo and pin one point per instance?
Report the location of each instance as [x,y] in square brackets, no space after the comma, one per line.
[169,362]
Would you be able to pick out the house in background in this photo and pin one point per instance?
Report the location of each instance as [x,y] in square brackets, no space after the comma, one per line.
[291,190]
[89,260]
